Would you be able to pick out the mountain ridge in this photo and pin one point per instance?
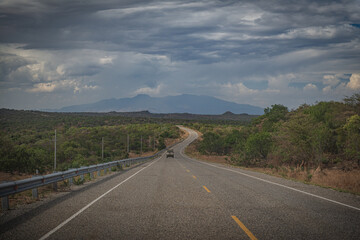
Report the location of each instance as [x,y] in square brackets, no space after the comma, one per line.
[185,103]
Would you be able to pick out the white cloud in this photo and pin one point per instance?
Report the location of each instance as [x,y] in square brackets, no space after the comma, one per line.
[42,87]
[90,87]
[106,60]
[75,85]
[310,86]
[310,33]
[326,89]
[331,80]
[354,83]
[237,89]
[157,7]
[151,91]
[280,81]
[60,70]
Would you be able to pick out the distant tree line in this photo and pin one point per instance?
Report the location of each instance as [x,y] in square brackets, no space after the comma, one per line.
[27,139]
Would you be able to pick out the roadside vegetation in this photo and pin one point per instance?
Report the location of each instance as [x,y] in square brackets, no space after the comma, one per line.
[317,143]
[305,143]
[27,139]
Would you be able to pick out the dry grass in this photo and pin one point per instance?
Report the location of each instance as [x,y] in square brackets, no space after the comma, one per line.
[346,181]
[339,179]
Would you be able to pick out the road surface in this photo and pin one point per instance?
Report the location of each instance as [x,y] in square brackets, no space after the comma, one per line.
[182,198]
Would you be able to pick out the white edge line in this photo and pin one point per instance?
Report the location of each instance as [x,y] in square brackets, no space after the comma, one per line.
[277,184]
[90,204]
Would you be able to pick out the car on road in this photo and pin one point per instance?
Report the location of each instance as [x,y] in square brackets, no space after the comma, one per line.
[170,153]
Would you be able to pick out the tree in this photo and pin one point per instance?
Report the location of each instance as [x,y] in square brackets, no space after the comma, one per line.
[276,113]
[301,140]
[272,116]
[352,145]
[354,102]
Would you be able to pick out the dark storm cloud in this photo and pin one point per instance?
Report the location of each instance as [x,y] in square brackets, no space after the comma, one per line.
[159,46]
[169,27]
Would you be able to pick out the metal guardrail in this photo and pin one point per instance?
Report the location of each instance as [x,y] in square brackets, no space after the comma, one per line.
[13,187]
[9,188]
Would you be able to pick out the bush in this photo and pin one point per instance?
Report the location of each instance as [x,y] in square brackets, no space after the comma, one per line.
[258,145]
[211,144]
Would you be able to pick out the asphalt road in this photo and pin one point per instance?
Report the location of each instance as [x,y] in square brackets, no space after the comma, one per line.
[182,198]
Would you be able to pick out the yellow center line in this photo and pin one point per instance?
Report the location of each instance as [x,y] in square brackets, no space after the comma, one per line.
[247,231]
[206,189]
[194,177]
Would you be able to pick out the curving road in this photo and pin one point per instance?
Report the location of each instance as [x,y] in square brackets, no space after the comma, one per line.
[182,198]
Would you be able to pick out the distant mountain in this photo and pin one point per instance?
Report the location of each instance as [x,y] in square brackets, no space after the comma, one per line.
[171,104]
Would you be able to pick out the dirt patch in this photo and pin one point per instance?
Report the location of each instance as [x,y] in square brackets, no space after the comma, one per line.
[183,134]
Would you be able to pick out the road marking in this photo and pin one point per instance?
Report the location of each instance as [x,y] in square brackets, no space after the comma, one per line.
[263,180]
[187,170]
[247,231]
[206,189]
[280,185]
[90,204]
[194,177]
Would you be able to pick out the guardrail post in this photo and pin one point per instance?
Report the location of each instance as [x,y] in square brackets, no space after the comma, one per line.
[105,171]
[98,173]
[70,181]
[5,203]
[35,193]
[55,186]
[82,177]
[92,175]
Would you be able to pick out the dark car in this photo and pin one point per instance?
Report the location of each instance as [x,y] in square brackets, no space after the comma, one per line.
[170,153]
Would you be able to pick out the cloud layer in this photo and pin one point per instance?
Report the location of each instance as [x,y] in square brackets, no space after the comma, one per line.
[57,53]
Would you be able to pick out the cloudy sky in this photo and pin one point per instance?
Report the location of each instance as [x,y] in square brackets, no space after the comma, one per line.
[55,53]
